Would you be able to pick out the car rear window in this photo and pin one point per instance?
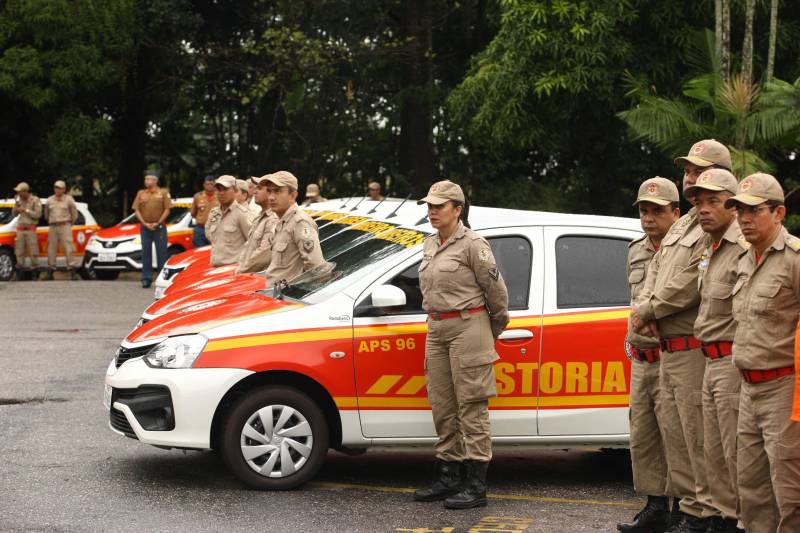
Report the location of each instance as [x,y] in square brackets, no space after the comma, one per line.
[590,271]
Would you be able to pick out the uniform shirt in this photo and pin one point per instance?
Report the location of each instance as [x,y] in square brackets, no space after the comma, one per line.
[640,253]
[717,274]
[670,294]
[462,274]
[151,205]
[766,303]
[253,211]
[29,210]
[63,210]
[202,204]
[228,233]
[295,247]
[257,251]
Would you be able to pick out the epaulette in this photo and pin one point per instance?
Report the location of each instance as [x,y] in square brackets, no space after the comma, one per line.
[742,242]
[793,243]
[637,240]
[692,236]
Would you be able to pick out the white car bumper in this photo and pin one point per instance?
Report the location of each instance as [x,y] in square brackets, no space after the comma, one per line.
[194,394]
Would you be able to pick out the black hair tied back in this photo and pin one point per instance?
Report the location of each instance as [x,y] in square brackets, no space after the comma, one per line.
[464,218]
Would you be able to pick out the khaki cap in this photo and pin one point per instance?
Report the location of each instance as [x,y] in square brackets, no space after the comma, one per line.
[281,178]
[226,181]
[714,179]
[241,184]
[659,191]
[22,186]
[706,153]
[756,189]
[442,192]
[312,190]
[59,184]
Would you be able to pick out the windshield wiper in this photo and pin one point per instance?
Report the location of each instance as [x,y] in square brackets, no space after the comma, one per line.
[394,213]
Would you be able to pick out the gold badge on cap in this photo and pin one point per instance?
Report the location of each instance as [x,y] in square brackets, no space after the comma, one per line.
[698,148]
[746,185]
[652,189]
[704,178]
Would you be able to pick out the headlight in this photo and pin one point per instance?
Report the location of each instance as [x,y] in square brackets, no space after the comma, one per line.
[137,240]
[92,241]
[176,352]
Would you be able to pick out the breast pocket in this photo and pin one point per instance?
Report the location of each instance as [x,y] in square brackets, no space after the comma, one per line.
[721,299]
[737,298]
[425,276]
[446,276]
[635,278]
[279,252]
[763,300]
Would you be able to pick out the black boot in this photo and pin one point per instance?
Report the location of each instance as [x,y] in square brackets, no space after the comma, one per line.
[690,524]
[473,492]
[48,276]
[73,275]
[447,483]
[654,518]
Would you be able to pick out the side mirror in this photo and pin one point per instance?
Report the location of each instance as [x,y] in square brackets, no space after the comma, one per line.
[388,296]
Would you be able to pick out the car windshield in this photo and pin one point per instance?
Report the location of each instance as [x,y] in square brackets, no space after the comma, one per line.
[351,261]
[175,216]
[5,215]
[353,236]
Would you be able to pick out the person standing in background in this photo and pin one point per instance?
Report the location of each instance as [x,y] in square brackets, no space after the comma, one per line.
[61,213]
[202,204]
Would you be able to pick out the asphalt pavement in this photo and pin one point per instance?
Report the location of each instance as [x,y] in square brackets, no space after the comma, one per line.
[62,469]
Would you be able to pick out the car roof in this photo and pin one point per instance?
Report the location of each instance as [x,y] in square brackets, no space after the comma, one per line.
[410,214]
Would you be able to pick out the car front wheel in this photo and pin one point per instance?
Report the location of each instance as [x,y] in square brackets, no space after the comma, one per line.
[7,262]
[274,438]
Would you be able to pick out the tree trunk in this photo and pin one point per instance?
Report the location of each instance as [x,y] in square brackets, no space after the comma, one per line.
[725,42]
[132,127]
[416,125]
[773,35]
[747,45]
[718,33]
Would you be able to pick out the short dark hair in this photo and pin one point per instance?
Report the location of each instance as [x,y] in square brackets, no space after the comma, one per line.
[674,205]
[772,204]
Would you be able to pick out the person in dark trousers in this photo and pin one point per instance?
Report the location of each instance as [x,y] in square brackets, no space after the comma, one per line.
[152,205]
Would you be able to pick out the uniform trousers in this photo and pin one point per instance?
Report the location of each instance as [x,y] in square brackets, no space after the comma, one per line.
[721,385]
[26,243]
[768,457]
[682,408]
[460,380]
[648,457]
[59,235]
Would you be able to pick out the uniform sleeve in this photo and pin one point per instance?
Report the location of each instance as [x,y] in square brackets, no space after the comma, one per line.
[73,210]
[167,200]
[244,223]
[491,281]
[193,209]
[307,240]
[679,294]
[47,210]
[211,224]
[36,210]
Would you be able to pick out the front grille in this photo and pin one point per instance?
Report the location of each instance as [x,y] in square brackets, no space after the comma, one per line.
[123,354]
[170,272]
[120,423]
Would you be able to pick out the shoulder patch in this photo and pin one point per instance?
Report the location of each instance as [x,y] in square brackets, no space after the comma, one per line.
[793,243]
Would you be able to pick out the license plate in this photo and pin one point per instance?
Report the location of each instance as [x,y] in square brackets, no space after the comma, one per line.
[107,397]
[107,257]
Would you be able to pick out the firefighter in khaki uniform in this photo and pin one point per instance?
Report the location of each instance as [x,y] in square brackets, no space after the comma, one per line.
[668,308]
[152,205]
[658,202]
[766,303]
[257,251]
[295,245]
[714,328]
[467,305]
[202,204]
[29,208]
[61,213]
[228,224]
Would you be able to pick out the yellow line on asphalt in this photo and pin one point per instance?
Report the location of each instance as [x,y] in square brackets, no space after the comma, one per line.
[509,497]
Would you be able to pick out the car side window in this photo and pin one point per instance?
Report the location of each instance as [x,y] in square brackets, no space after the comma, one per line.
[590,271]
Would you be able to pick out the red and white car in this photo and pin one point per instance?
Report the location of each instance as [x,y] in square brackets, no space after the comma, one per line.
[119,248]
[335,360]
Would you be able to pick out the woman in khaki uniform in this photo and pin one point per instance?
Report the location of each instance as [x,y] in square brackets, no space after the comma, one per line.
[467,305]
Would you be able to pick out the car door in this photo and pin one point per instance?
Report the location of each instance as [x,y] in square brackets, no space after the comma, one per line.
[389,347]
[584,375]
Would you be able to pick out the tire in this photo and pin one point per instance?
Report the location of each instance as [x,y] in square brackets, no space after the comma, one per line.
[301,437]
[106,275]
[7,263]
[87,273]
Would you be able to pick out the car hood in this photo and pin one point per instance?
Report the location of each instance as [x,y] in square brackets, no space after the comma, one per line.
[207,315]
[191,278]
[189,257]
[215,289]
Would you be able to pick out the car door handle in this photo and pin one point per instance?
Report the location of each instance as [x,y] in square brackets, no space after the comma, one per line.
[515,334]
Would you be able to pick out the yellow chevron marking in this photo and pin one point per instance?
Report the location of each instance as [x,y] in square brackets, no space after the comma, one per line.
[384,384]
[413,385]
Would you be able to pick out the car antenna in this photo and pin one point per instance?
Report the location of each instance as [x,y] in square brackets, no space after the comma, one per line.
[345,202]
[394,213]
[377,206]
[359,203]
